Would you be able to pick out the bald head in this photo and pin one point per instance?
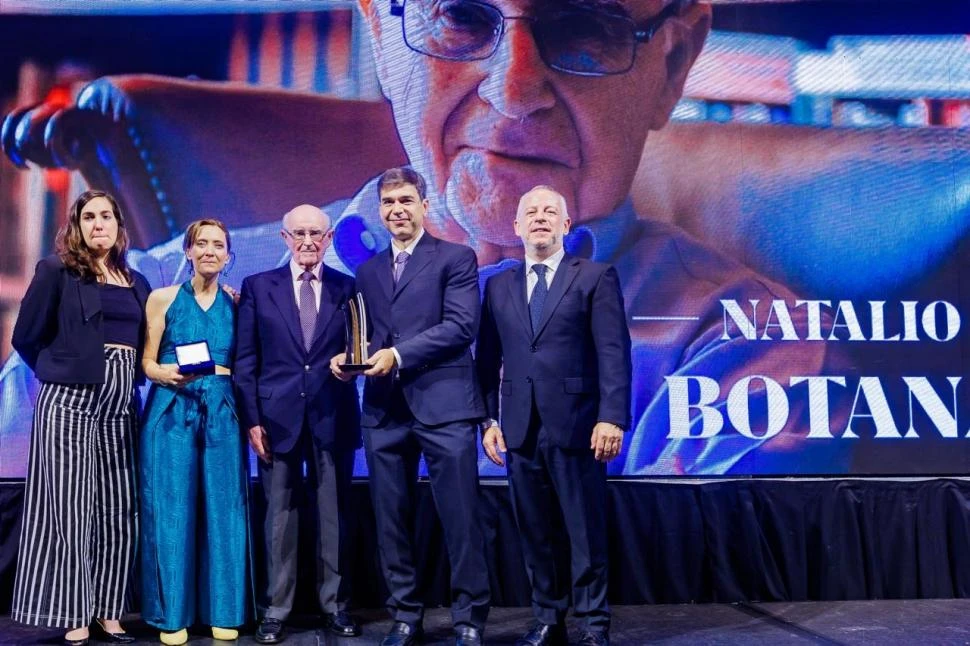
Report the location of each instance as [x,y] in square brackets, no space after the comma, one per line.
[305,213]
[307,233]
[548,191]
[542,222]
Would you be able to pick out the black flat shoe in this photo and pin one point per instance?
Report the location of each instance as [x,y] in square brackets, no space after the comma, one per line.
[113,638]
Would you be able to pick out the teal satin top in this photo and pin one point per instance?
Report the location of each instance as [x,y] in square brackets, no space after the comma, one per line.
[187,322]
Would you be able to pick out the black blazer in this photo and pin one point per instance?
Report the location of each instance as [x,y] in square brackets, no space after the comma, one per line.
[59,331]
[575,369]
[280,385]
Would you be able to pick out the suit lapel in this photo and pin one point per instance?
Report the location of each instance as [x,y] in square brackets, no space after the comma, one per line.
[330,304]
[518,297]
[561,280]
[281,293]
[424,253]
[141,293]
[385,273]
[87,293]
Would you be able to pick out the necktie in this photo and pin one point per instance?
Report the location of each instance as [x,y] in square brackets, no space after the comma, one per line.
[400,262]
[539,293]
[308,309]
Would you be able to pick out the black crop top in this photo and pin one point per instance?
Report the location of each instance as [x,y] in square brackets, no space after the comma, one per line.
[121,314]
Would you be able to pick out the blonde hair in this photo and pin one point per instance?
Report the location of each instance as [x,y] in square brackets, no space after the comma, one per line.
[192,232]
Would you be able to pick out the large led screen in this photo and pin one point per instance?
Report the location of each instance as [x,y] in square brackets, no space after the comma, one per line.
[784,188]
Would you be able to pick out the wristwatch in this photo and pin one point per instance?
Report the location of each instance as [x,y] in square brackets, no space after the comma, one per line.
[486,424]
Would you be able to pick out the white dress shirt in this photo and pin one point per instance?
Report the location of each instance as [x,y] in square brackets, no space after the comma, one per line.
[409,249]
[531,278]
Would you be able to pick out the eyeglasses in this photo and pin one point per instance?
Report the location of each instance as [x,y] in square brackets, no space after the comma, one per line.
[299,234]
[575,40]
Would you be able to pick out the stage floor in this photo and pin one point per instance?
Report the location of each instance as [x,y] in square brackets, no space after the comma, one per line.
[945,621]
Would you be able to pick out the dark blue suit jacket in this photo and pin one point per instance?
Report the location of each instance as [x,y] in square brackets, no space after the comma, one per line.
[280,385]
[576,367]
[431,317]
[59,331]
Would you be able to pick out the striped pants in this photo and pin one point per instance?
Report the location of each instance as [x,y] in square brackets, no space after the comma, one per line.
[77,542]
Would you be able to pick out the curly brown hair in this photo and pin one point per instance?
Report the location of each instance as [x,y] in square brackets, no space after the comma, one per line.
[74,252]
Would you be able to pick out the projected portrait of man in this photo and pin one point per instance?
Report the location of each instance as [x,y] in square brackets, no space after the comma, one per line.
[493,98]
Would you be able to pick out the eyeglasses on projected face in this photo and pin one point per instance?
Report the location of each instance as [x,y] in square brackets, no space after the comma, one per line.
[574,39]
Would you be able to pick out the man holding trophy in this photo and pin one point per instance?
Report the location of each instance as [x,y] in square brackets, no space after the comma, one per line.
[290,323]
[422,307]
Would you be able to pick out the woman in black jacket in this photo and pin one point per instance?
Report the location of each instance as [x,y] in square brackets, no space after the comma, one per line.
[79,329]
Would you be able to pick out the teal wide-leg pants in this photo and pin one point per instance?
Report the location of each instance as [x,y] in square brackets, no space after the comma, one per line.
[194,542]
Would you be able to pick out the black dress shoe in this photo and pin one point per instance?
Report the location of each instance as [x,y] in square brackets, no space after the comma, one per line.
[341,623]
[544,635]
[270,631]
[402,634]
[467,636]
[113,638]
[594,638]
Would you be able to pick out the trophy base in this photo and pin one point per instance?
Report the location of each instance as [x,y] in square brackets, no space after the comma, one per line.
[355,367]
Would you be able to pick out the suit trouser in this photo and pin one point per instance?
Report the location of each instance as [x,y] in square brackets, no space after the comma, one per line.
[328,481]
[451,454]
[552,487]
[77,542]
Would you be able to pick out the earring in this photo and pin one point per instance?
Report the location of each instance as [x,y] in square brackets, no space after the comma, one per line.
[229,264]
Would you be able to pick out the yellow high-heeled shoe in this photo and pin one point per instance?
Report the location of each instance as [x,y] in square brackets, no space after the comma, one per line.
[177,638]
[225,634]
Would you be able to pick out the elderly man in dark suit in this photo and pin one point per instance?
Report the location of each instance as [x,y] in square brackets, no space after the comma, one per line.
[421,396]
[290,323]
[554,342]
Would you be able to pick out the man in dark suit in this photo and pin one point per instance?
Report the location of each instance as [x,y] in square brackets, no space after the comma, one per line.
[421,396]
[554,341]
[290,323]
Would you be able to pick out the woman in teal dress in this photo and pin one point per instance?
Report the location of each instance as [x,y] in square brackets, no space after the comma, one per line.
[194,540]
